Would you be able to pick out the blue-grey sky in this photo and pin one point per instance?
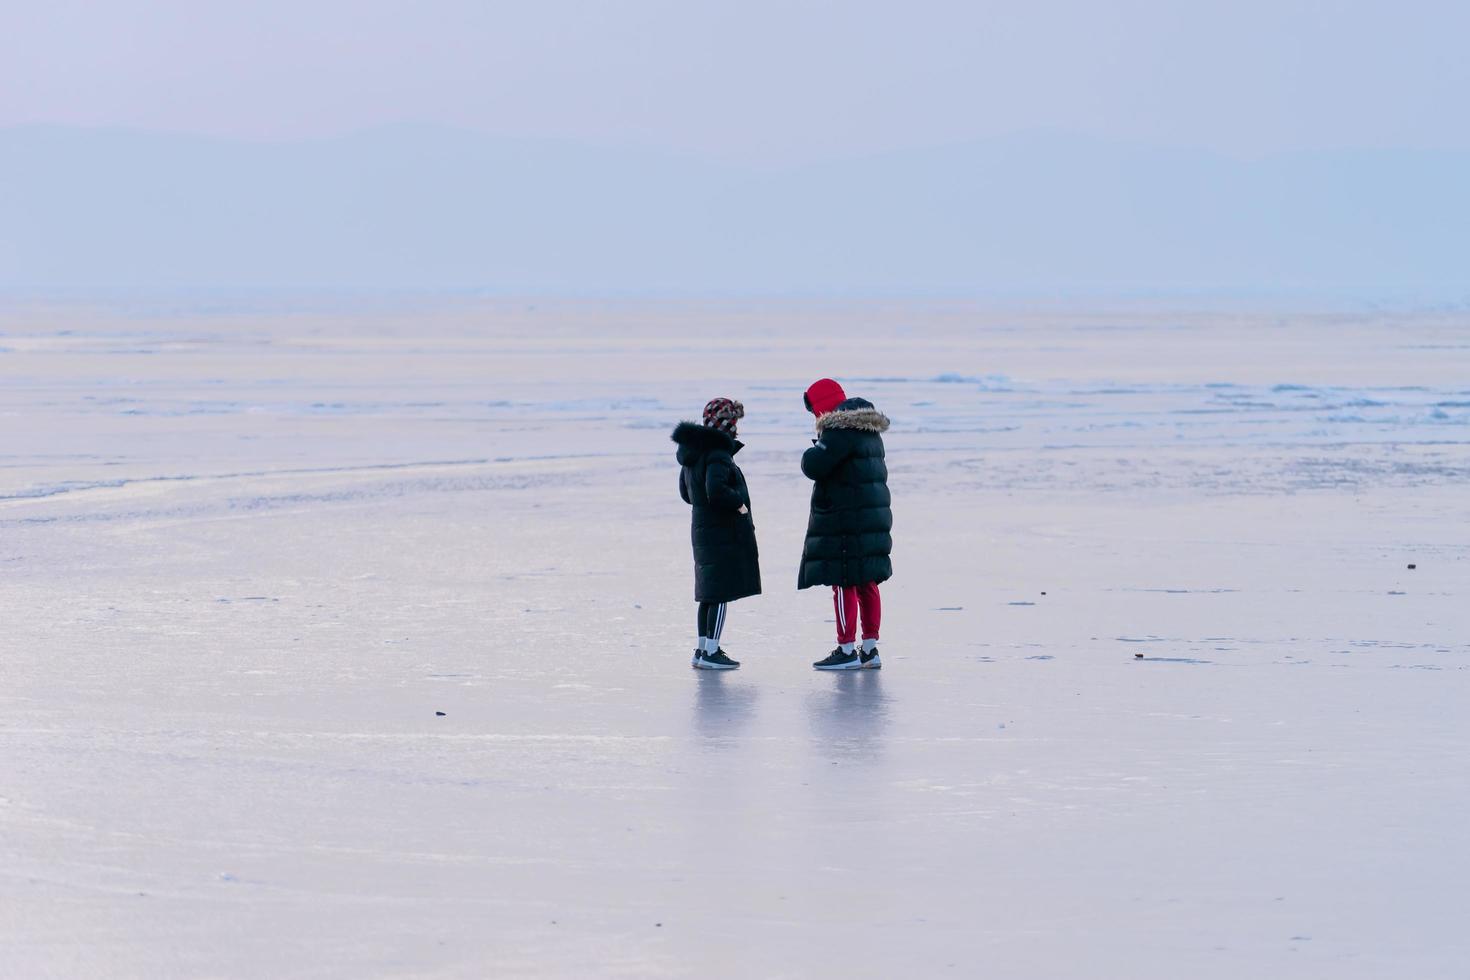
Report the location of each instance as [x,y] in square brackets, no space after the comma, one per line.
[756,81]
[903,147]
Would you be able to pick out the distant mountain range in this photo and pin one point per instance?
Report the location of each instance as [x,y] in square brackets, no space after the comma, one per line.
[412,207]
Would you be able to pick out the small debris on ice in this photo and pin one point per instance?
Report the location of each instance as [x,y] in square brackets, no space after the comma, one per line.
[439,713]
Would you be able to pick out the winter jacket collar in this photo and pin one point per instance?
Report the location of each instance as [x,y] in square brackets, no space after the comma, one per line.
[855,413]
[695,439]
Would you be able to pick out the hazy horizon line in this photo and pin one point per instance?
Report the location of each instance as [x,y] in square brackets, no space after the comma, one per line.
[327,298]
[1037,133]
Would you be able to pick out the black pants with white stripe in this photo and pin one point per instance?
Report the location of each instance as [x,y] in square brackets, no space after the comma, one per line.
[711,621]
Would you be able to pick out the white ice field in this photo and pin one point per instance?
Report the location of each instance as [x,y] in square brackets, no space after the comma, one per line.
[247,559]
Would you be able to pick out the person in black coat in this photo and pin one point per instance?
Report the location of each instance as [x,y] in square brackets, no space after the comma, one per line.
[726,561]
[849,534]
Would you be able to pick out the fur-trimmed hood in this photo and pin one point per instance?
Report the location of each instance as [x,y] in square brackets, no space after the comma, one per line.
[695,440]
[855,413]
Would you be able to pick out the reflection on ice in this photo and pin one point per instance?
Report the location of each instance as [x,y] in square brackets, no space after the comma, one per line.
[849,711]
[724,703]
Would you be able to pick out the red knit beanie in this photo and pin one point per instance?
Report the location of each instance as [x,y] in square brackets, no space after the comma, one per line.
[823,396]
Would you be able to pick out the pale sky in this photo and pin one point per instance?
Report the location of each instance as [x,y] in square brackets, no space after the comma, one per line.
[772,82]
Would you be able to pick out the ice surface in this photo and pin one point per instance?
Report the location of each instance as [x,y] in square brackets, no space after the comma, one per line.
[247,559]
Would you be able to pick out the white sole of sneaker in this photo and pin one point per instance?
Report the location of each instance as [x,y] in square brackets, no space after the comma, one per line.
[704,666]
[855,665]
[874,664]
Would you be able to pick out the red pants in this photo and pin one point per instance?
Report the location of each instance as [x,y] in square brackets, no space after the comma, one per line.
[851,599]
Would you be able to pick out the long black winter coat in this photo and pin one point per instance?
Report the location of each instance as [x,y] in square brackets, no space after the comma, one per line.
[726,562]
[848,537]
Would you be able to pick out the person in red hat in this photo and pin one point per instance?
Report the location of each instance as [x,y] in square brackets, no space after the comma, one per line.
[726,560]
[849,533]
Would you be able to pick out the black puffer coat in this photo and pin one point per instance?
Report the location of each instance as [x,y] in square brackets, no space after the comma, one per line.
[848,537]
[726,562]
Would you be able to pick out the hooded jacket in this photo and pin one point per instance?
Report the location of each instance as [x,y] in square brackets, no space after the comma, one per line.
[726,560]
[848,534]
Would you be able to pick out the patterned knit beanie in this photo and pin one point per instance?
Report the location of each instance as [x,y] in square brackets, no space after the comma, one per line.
[722,413]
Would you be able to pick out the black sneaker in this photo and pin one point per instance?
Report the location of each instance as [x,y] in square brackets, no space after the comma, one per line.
[715,661]
[837,660]
[870,661]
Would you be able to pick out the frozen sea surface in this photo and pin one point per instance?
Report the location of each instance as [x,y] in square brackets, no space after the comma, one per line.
[248,560]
